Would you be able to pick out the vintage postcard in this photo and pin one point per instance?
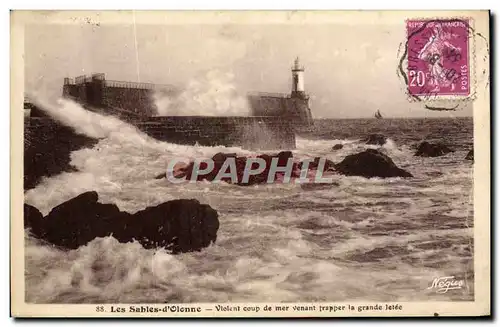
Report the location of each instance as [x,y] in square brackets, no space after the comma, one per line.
[250,164]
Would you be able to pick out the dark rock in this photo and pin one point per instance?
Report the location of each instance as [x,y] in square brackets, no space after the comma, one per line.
[337,147]
[179,171]
[240,163]
[178,225]
[33,218]
[220,157]
[283,157]
[267,158]
[370,163]
[262,178]
[376,139]
[426,149]
[329,165]
[161,176]
[470,155]
[79,220]
[47,149]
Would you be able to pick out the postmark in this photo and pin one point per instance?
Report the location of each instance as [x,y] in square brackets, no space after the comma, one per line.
[437,62]
[438,57]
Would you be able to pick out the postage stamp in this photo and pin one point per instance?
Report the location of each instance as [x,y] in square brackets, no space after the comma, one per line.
[250,164]
[438,57]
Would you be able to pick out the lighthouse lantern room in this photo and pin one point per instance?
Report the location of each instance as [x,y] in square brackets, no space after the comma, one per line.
[298,80]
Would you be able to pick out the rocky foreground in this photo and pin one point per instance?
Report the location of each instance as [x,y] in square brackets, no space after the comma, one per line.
[47,149]
[178,225]
[185,225]
[426,149]
[370,163]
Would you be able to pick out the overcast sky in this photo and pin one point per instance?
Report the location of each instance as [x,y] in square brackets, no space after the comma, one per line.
[350,70]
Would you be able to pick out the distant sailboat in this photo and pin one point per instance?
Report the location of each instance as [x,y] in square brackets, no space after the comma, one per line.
[378,115]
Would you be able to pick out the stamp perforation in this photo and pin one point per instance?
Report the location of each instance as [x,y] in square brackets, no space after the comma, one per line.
[450,101]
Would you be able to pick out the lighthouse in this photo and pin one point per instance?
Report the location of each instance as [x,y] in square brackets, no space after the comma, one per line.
[298,80]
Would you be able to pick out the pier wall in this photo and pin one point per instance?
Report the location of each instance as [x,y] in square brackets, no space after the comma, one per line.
[138,101]
[138,98]
[96,91]
[247,132]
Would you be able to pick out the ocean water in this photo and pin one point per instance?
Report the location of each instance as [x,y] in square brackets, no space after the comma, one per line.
[359,240]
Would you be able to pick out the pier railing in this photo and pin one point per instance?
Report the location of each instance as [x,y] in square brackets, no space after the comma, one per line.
[269,94]
[136,85]
[113,83]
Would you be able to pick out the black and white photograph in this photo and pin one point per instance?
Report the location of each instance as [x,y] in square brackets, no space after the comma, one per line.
[258,163]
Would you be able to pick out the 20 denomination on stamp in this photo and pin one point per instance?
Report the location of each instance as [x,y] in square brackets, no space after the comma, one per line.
[438,57]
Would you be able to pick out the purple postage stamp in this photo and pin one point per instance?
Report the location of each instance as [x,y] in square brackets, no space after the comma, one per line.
[438,57]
